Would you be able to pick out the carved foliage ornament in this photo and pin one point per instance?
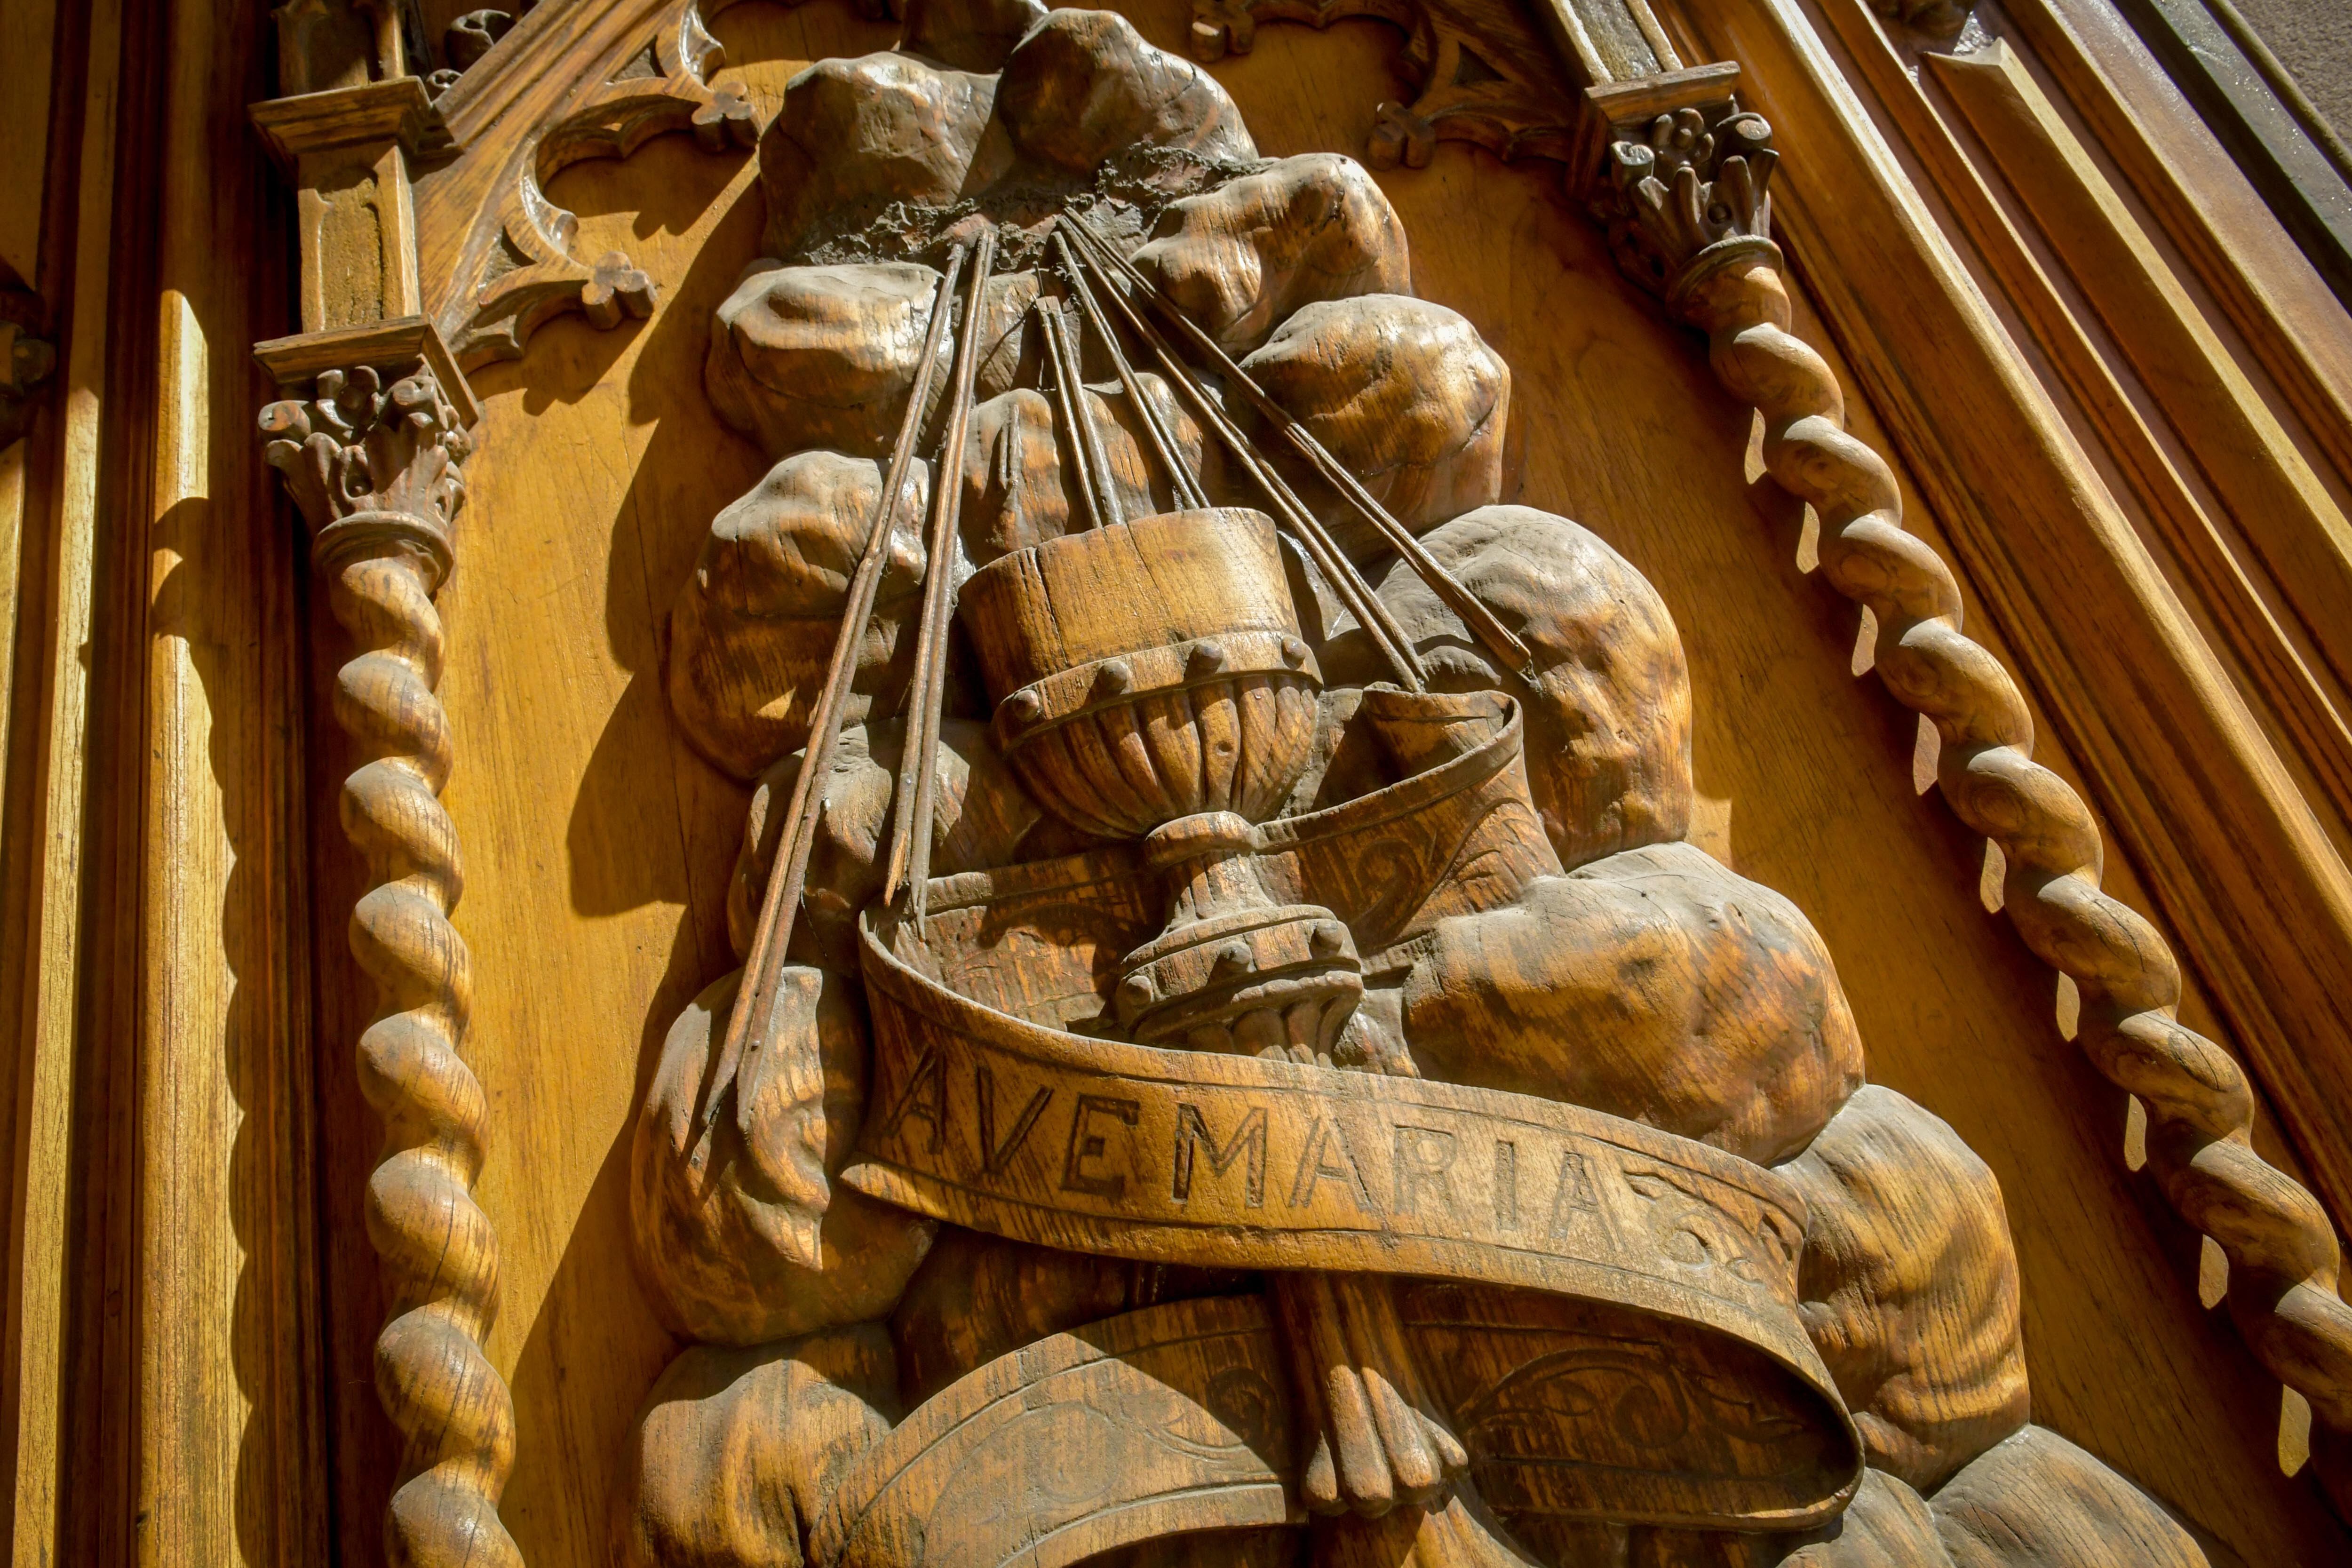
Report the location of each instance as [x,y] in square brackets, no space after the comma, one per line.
[523,270]
[1174,1083]
[358,455]
[1690,197]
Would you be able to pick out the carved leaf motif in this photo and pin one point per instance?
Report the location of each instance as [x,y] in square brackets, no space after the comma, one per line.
[1692,185]
[356,446]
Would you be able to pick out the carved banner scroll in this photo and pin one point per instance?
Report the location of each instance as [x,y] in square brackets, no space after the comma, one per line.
[1180,1405]
[1232,1162]
[1241,1163]
[1573,1411]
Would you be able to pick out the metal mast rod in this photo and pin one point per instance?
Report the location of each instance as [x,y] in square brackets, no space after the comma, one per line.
[1346,580]
[1180,480]
[1069,396]
[755,998]
[1089,432]
[1500,640]
[910,837]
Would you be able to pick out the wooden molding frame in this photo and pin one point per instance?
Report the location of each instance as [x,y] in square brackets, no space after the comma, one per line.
[2230,844]
[2235,853]
[2283,310]
[2275,133]
[2282,516]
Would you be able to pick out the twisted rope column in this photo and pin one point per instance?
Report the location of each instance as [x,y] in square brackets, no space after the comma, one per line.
[376,473]
[1693,215]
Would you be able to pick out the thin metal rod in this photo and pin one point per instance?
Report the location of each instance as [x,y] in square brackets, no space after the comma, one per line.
[1500,640]
[1069,397]
[755,998]
[910,830]
[1180,480]
[1346,581]
[1089,429]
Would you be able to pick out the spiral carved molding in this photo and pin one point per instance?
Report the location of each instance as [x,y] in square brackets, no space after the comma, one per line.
[1690,217]
[375,468]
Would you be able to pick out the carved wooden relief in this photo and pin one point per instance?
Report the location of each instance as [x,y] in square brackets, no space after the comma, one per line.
[1235,1055]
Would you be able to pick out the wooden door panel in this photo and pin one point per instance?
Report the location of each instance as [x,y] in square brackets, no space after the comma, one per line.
[599,847]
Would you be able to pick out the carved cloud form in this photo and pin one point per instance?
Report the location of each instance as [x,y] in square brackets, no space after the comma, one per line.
[873,165]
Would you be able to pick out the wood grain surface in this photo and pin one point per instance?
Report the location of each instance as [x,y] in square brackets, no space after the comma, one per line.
[600,848]
[46,914]
[227,1321]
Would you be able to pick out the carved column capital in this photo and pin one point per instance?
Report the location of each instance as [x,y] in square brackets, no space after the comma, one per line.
[373,444]
[1687,194]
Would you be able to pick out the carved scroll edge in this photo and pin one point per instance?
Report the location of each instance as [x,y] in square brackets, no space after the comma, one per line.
[520,268]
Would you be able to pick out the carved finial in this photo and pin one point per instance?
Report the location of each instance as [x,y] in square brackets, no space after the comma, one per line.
[358,452]
[1689,196]
[469,38]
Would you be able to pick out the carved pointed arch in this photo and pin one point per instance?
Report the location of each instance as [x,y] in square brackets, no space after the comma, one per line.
[596,79]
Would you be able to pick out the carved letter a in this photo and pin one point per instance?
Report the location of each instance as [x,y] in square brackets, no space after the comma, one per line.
[1328,1157]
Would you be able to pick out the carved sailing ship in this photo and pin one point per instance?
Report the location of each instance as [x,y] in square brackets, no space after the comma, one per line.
[1230,1041]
